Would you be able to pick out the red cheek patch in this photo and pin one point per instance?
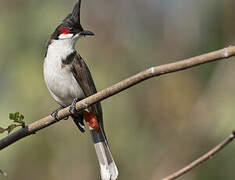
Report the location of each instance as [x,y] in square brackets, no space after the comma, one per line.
[64,30]
[91,120]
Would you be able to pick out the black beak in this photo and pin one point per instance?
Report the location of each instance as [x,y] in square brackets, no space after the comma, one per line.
[87,33]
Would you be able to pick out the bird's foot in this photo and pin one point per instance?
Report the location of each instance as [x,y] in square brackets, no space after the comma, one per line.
[54,114]
[72,108]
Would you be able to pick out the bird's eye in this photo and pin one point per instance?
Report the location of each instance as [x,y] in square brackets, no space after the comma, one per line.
[64,30]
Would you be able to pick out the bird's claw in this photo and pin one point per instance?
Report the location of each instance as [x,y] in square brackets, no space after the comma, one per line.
[54,114]
[72,108]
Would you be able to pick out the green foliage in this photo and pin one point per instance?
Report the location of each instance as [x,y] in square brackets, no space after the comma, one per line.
[16,117]
[18,121]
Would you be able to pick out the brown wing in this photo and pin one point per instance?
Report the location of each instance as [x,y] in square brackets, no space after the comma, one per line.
[83,76]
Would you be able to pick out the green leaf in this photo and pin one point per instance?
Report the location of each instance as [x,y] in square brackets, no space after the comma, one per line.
[17,115]
[11,116]
[21,118]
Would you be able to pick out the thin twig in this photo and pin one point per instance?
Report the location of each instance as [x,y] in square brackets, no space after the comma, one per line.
[117,88]
[202,159]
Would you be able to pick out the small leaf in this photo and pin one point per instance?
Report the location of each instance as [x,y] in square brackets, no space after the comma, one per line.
[2,130]
[21,118]
[11,116]
[17,115]
[3,173]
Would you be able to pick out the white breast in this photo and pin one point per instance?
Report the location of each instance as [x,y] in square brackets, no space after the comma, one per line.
[60,80]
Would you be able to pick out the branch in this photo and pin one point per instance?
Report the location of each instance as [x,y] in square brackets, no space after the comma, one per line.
[202,159]
[117,88]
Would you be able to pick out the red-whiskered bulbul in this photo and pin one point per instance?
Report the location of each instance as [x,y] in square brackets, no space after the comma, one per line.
[69,80]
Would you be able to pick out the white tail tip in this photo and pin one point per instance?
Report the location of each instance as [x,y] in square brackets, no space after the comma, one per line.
[109,172]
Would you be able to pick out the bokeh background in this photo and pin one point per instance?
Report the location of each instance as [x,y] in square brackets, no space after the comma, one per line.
[154,128]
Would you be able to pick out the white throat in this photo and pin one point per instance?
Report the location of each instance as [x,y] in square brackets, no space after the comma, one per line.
[61,47]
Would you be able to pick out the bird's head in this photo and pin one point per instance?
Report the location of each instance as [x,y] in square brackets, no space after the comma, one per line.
[70,28]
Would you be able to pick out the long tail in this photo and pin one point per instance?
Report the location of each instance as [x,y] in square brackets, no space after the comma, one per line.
[108,167]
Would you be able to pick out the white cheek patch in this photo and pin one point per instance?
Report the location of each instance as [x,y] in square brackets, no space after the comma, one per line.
[65,36]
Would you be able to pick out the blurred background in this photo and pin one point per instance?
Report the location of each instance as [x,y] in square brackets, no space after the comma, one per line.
[154,128]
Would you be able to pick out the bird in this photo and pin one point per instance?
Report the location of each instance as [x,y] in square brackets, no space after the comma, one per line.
[69,80]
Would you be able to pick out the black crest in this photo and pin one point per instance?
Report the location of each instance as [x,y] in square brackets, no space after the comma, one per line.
[72,22]
[73,19]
